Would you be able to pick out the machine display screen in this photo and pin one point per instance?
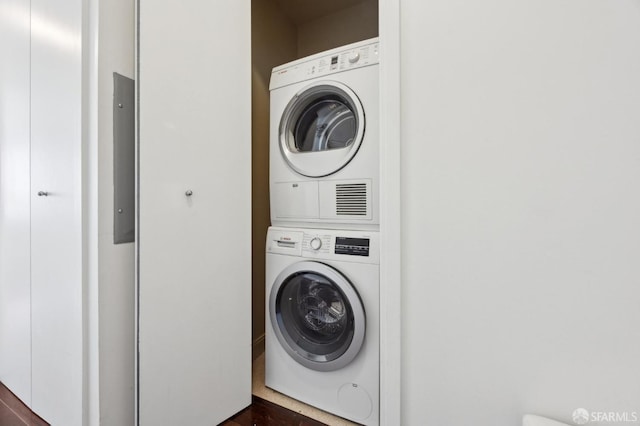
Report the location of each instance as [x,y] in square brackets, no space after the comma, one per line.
[352,246]
[334,60]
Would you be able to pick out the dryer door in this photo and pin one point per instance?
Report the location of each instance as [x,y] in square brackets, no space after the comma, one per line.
[317,316]
[321,129]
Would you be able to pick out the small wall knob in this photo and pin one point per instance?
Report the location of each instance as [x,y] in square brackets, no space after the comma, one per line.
[189,193]
[42,193]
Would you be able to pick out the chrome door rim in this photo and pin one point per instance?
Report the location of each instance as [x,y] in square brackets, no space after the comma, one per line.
[359,321]
[319,163]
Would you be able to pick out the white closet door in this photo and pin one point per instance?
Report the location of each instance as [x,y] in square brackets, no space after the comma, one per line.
[194,363]
[56,220]
[15,291]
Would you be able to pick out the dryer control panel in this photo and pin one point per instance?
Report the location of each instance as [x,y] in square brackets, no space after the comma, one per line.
[356,55]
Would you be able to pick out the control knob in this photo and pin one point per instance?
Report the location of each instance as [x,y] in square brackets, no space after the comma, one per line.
[315,243]
[354,57]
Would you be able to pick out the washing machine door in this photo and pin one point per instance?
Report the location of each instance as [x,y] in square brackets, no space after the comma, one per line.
[317,316]
[321,129]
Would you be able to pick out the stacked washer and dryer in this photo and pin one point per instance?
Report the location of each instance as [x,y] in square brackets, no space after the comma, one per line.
[322,252]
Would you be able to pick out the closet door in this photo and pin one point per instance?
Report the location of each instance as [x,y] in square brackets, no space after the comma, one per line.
[15,291]
[194,242]
[56,211]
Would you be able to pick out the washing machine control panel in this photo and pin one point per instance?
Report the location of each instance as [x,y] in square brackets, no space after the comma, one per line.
[352,246]
[284,241]
[325,244]
[335,244]
[316,243]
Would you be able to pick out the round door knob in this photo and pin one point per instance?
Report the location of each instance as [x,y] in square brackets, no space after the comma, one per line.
[315,243]
[42,193]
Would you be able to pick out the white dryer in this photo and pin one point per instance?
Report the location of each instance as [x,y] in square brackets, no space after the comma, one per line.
[324,153]
[322,319]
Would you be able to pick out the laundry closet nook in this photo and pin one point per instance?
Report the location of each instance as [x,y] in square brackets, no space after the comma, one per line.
[284,31]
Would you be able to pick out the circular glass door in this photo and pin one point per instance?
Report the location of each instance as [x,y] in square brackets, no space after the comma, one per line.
[317,316]
[321,129]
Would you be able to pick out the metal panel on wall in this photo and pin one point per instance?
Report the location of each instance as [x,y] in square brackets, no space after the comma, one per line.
[124,159]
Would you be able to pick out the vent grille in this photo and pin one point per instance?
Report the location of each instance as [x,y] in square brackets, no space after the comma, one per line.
[351,199]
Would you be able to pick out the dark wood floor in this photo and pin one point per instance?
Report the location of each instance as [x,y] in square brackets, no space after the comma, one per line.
[265,413]
[13,412]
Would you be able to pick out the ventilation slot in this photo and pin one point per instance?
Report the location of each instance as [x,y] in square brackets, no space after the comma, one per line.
[351,199]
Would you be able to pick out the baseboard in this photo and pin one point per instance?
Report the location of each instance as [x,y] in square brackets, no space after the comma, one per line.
[257,348]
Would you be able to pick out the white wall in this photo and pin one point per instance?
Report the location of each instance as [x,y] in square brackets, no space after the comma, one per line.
[521,209]
[116,262]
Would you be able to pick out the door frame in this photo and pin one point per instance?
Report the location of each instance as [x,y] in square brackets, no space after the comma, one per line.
[390,214]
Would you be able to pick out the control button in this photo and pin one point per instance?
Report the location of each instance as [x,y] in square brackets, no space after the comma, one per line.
[315,243]
[354,57]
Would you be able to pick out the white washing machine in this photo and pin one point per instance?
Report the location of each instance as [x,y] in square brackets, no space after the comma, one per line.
[324,137]
[322,319]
